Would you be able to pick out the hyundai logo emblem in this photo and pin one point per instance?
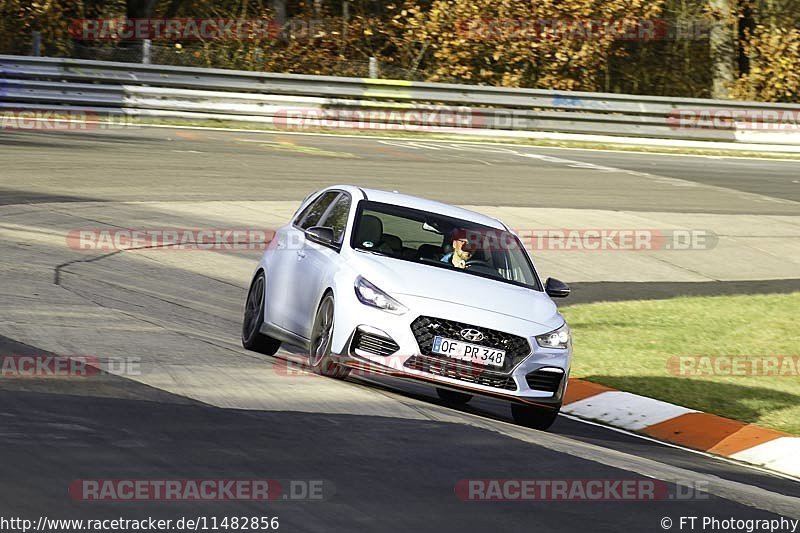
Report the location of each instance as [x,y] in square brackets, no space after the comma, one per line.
[471,335]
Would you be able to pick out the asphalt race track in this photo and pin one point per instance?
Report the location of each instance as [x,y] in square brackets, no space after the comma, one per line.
[192,404]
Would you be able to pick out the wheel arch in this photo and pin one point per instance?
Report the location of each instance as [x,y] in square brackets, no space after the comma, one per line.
[341,332]
[260,270]
[326,291]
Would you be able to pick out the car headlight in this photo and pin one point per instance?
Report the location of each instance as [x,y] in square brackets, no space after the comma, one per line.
[559,338]
[369,294]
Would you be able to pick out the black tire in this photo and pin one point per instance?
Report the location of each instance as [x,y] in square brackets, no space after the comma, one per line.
[252,338]
[319,354]
[453,397]
[533,416]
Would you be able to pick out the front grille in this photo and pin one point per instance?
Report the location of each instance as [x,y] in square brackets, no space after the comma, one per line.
[426,328]
[545,381]
[374,344]
[462,372]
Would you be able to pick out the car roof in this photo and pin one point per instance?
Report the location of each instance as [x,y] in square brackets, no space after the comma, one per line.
[423,204]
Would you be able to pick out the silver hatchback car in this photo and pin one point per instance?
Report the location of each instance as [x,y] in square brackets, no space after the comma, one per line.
[416,289]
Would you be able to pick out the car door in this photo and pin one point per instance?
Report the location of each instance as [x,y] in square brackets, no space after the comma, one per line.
[284,270]
[318,261]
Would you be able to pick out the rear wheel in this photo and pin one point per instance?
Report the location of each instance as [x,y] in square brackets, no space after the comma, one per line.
[319,357]
[453,397]
[252,338]
[533,416]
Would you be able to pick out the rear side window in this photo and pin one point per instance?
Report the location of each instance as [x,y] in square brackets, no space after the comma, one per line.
[311,214]
[337,217]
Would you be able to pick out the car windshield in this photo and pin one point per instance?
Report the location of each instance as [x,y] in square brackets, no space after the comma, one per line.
[442,242]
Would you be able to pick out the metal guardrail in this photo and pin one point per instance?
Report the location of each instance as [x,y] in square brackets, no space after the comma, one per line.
[290,100]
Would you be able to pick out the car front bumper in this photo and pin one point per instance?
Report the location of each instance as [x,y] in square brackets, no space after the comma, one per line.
[537,376]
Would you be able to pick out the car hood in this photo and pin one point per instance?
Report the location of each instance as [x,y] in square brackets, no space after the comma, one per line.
[398,277]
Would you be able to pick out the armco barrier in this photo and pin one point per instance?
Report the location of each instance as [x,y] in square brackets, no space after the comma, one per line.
[100,87]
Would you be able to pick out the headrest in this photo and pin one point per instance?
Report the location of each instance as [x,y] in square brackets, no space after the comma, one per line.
[394,242]
[370,230]
[429,251]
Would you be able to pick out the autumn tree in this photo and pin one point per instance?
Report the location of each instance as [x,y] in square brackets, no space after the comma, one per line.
[771,45]
[518,43]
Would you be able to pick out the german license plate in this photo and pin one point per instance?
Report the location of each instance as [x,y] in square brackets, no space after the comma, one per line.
[465,351]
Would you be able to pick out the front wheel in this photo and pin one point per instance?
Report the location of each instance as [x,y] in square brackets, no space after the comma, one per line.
[252,338]
[319,357]
[533,416]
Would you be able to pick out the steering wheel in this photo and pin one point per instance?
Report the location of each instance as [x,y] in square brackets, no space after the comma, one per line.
[480,266]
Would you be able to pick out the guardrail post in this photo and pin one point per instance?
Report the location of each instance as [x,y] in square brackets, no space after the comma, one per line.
[36,49]
[146,51]
[374,68]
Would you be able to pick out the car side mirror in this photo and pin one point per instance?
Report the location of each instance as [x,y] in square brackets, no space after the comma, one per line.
[320,234]
[556,288]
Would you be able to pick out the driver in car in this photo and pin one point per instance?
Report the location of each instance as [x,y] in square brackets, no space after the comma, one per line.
[462,250]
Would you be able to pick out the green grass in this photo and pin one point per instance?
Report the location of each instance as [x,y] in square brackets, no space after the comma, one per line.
[628,346]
